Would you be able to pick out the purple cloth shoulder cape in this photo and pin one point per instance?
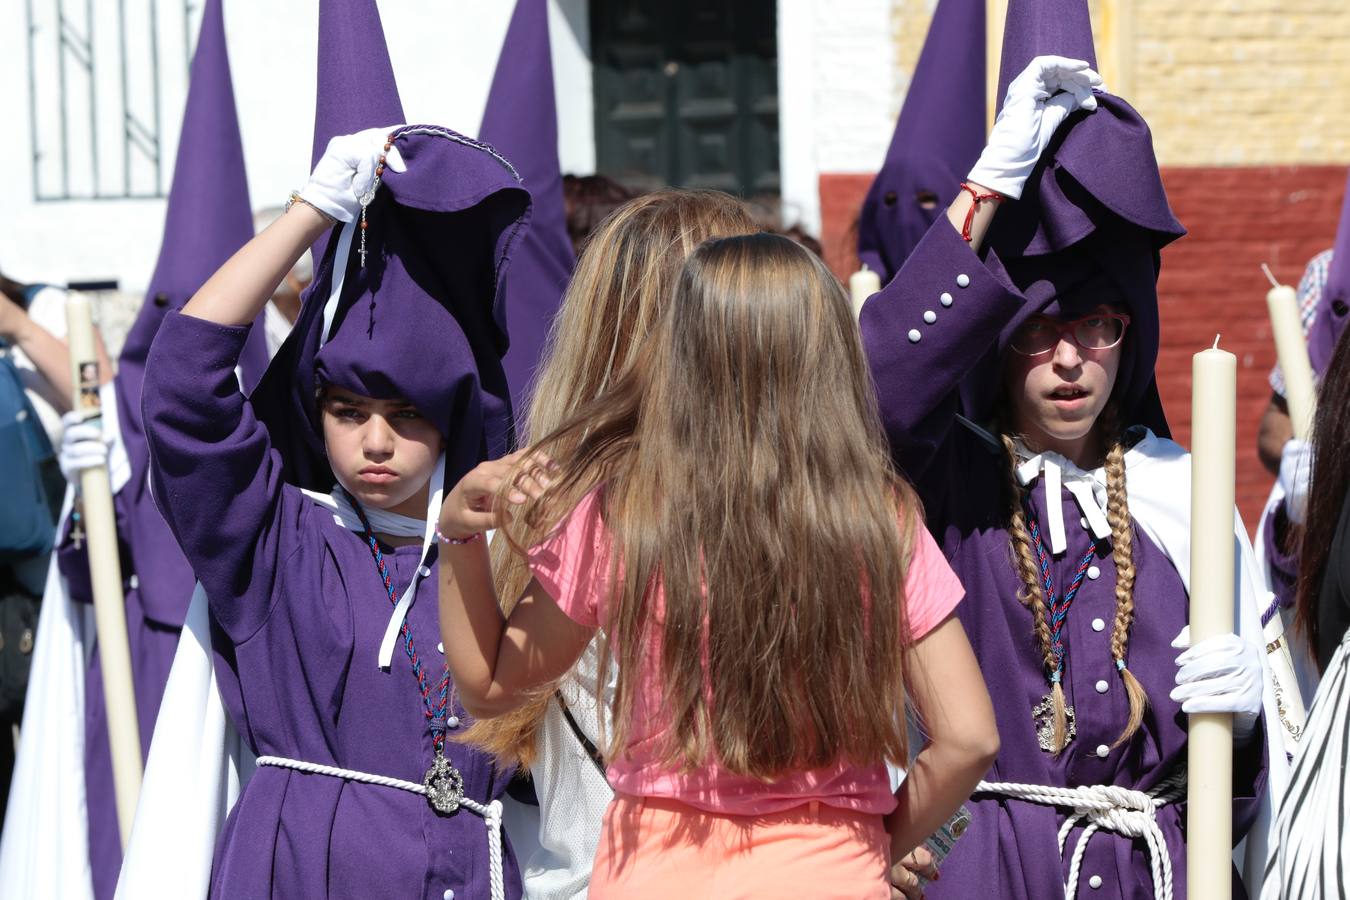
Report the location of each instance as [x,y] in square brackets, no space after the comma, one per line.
[1010,850]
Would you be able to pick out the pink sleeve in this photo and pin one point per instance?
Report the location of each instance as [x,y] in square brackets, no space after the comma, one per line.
[932,589]
[572,564]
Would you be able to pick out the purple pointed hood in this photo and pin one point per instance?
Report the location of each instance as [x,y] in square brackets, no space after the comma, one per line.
[937,139]
[1334,310]
[423,318]
[1092,218]
[521,122]
[207,220]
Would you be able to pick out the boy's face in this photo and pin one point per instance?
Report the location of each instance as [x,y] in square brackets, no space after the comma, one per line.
[382,451]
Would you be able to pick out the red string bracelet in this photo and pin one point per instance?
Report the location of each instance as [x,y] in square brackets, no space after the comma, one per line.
[977,198]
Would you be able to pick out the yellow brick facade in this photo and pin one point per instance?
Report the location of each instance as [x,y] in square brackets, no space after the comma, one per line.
[1221,82]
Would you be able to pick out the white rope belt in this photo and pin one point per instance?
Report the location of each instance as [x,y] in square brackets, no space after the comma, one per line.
[491,813]
[1104,807]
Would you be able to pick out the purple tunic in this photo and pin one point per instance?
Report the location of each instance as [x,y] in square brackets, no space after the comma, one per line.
[298,611]
[1010,850]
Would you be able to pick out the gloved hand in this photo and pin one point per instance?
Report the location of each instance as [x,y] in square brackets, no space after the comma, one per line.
[82,446]
[346,172]
[1221,674]
[1032,110]
[1295,474]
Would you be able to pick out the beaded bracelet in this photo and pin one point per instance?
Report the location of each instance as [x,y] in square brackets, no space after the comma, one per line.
[477,535]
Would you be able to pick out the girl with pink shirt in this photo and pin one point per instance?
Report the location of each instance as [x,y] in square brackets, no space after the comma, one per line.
[764,583]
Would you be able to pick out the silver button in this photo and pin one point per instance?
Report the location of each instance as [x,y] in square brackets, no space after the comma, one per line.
[914,335]
[1095,882]
[1102,687]
[945,299]
[441,646]
[1103,750]
[963,280]
[452,722]
[424,572]
[450,894]
[929,316]
[1094,573]
[134,582]
[1098,624]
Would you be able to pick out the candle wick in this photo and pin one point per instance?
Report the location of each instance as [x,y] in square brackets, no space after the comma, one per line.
[1265,268]
[1216,341]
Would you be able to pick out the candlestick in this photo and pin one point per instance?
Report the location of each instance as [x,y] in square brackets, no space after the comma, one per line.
[105,572]
[1292,350]
[1209,830]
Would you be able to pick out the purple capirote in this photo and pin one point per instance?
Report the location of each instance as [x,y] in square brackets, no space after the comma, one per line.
[521,121]
[937,139]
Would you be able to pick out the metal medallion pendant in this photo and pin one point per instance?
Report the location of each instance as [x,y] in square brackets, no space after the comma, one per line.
[1044,716]
[444,785]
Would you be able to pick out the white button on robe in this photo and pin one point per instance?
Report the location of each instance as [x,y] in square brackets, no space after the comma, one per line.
[1095,882]
[929,316]
[914,335]
[1094,573]
[1098,624]
[963,280]
[945,299]
[1102,687]
[1103,751]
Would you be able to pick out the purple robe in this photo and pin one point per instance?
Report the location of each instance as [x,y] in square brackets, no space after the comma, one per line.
[1010,850]
[207,220]
[298,610]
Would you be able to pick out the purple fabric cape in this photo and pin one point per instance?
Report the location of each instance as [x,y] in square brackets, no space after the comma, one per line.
[937,139]
[521,122]
[207,220]
[1334,310]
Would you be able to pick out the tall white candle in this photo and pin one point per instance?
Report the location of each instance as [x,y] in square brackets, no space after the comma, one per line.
[861,285]
[105,571]
[1210,744]
[1292,350]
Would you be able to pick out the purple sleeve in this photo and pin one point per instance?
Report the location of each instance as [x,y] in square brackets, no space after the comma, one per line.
[1283,562]
[215,475]
[917,381]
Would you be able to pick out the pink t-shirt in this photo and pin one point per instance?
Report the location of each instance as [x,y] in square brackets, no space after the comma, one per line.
[573,567]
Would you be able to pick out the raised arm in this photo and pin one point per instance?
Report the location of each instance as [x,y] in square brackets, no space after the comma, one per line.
[944,309]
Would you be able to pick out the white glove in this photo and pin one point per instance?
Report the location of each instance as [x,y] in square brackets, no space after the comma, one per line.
[82,446]
[1295,473]
[346,172]
[1222,674]
[1031,112]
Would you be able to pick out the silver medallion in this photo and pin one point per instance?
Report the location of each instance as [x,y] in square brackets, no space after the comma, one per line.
[1044,716]
[444,785]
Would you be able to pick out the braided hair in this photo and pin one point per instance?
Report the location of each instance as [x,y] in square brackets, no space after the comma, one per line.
[1032,594]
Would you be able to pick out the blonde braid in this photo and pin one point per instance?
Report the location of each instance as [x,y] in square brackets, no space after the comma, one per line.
[1122,554]
[1032,594]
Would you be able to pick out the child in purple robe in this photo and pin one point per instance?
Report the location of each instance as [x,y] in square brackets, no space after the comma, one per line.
[726,512]
[390,382]
[1015,375]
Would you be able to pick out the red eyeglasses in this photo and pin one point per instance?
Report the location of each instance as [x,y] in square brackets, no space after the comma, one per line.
[1099,331]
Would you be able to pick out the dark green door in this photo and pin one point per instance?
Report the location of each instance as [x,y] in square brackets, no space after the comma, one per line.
[686,93]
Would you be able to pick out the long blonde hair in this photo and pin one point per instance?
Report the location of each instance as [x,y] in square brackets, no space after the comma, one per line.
[623,279]
[744,470]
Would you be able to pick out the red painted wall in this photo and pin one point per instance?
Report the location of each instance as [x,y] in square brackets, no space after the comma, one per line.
[1237,217]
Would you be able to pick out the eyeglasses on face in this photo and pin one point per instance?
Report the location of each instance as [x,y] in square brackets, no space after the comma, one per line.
[1099,331]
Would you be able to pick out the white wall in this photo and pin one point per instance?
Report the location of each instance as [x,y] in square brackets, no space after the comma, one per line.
[837,96]
[444,55]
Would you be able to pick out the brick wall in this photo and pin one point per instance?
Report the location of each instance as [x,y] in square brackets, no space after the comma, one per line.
[1211,282]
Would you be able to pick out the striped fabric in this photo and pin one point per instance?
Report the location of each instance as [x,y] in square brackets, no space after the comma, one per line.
[1311,845]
